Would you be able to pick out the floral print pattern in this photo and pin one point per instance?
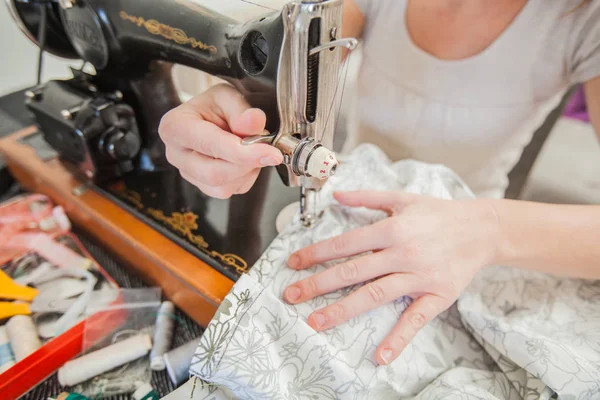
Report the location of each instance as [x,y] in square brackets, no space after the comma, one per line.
[512,335]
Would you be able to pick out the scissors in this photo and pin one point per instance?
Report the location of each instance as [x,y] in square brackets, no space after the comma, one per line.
[10,290]
[28,301]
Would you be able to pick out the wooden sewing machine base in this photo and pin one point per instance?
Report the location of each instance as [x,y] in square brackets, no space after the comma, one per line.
[192,284]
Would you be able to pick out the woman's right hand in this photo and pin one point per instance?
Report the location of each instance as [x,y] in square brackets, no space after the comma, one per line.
[203,139]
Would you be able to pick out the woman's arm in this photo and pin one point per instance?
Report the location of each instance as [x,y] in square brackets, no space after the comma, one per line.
[561,240]
[557,239]
[430,249]
[354,21]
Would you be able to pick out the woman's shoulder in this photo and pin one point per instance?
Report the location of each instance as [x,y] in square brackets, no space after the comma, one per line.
[568,34]
[581,14]
[582,31]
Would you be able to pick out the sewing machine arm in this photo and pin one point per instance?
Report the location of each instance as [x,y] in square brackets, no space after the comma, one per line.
[286,63]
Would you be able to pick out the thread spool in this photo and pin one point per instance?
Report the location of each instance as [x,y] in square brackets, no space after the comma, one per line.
[145,391]
[7,358]
[100,361]
[178,362]
[23,336]
[163,333]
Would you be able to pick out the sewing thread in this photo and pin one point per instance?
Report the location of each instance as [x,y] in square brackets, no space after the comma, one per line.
[100,361]
[23,336]
[163,334]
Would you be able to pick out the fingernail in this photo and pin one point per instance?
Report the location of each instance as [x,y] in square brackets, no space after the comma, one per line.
[339,196]
[269,161]
[294,261]
[386,355]
[292,294]
[319,320]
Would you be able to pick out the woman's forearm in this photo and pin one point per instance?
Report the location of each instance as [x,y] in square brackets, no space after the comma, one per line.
[557,239]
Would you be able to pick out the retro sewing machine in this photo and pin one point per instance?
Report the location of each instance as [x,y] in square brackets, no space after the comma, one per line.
[109,168]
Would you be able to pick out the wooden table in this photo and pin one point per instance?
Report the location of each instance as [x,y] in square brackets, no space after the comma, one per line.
[194,286]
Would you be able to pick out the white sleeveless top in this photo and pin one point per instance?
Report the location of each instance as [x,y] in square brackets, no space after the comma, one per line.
[473,115]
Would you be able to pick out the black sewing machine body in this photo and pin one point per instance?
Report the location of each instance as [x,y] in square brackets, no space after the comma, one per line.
[105,126]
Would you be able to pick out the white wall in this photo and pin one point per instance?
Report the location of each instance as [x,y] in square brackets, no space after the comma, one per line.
[18,58]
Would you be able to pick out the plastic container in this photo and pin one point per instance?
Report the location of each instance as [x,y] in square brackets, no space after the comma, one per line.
[38,366]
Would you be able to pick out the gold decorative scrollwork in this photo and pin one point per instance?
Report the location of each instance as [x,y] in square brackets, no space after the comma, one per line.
[134,197]
[182,223]
[235,261]
[168,32]
[185,224]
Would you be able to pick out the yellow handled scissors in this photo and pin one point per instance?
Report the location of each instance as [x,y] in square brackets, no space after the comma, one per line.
[10,290]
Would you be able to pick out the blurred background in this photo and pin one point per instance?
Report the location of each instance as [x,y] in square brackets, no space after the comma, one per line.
[562,165]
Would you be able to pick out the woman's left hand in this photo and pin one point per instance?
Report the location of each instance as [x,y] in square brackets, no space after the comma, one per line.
[428,249]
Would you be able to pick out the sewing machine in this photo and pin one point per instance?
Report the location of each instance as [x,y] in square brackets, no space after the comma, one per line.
[104,129]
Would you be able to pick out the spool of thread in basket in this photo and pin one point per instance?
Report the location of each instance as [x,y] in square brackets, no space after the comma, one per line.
[23,336]
[163,333]
[95,363]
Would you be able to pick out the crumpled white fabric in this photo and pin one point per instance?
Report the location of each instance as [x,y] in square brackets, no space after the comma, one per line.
[512,335]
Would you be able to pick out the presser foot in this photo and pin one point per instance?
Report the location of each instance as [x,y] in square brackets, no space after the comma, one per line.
[289,212]
[308,221]
[309,212]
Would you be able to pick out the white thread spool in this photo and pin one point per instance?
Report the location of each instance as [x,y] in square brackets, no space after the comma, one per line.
[93,364]
[163,333]
[23,336]
[7,358]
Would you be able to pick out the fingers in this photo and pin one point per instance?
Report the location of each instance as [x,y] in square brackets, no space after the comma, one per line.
[226,107]
[390,202]
[241,118]
[342,275]
[238,186]
[368,297]
[348,244]
[251,122]
[203,140]
[205,170]
[189,131]
[412,320]
[200,125]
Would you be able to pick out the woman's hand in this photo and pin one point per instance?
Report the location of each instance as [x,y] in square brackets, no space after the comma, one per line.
[428,249]
[203,140]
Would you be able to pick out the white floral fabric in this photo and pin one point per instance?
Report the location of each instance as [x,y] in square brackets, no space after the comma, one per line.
[512,335]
